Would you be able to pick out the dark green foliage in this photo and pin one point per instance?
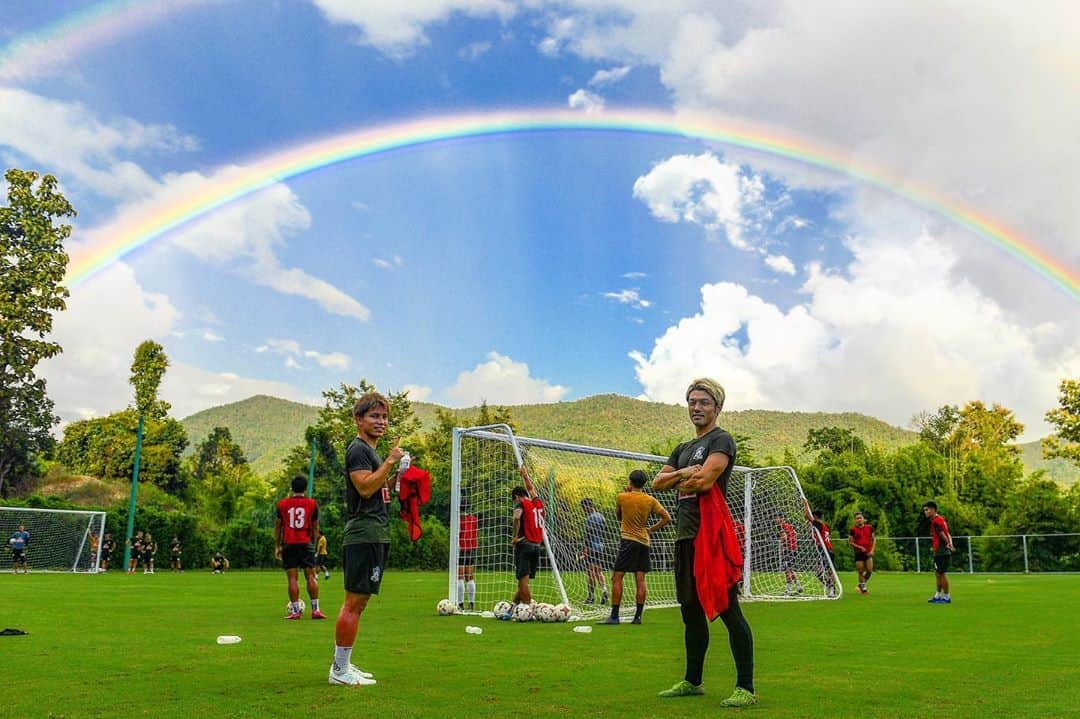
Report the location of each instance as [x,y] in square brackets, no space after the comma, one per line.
[1065,442]
[146,372]
[32,266]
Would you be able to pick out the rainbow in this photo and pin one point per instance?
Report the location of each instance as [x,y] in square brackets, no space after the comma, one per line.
[30,53]
[132,231]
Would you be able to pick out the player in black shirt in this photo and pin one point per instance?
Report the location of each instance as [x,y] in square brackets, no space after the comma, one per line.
[175,550]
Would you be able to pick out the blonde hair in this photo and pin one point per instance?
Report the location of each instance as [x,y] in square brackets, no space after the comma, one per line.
[709,386]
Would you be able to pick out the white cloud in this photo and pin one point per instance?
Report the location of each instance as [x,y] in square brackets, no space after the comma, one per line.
[474,50]
[629,297]
[703,190]
[548,46]
[417,393]
[869,340]
[781,264]
[391,264]
[588,102]
[602,78]
[335,360]
[397,28]
[211,336]
[503,381]
[292,351]
[73,143]
[634,275]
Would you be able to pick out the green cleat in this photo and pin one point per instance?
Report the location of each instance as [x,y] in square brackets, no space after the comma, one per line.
[683,689]
[739,698]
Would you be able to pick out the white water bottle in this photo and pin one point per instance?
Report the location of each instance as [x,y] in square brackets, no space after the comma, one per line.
[403,465]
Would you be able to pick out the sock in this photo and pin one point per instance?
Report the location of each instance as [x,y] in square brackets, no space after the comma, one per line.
[460,591]
[937,595]
[614,611]
[472,590]
[638,610]
[945,596]
[314,605]
[342,658]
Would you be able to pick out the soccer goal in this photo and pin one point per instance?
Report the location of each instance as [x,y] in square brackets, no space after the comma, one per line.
[61,540]
[781,563]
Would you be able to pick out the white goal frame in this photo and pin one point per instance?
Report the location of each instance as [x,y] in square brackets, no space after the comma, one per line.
[739,493]
[81,542]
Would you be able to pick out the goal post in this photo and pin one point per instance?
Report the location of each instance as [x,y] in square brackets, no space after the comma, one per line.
[61,540]
[485,469]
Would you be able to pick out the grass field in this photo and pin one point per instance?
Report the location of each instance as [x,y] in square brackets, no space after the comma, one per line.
[130,646]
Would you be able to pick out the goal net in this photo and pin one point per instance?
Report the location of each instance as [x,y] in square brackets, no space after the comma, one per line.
[61,540]
[781,562]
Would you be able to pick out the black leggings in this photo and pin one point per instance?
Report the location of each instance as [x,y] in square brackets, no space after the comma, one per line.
[740,638]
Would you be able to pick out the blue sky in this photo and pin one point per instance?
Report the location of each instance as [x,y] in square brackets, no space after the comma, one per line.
[553,266]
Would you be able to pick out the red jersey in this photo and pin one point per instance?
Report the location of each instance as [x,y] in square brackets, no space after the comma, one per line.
[532,520]
[938,529]
[468,539]
[297,515]
[822,537]
[787,537]
[863,536]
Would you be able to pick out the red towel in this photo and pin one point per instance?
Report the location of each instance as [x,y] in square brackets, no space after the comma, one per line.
[415,491]
[718,559]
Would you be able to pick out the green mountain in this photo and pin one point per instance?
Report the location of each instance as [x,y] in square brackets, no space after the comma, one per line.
[267,428]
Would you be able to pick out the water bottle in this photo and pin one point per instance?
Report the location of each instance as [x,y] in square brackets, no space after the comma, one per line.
[584,629]
[403,464]
[473,630]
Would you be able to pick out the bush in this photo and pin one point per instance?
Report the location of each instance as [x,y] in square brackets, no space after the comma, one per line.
[431,551]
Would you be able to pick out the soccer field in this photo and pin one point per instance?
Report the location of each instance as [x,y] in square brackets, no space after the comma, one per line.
[123,646]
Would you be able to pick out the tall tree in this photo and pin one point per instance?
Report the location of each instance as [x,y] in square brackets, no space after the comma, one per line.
[1065,442]
[146,373]
[833,440]
[990,460]
[32,265]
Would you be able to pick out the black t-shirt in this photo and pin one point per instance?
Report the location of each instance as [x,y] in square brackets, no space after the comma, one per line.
[176,548]
[367,521]
[696,452]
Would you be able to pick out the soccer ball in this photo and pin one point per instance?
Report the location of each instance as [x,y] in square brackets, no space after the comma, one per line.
[523,613]
[445,608]
[562,612]
[501,608]
[288,606]
[545,612]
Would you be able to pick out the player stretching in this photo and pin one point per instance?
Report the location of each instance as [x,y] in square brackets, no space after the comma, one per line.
[633,508]
[705,565]
[136,551]
[862,540]
[468,543]
[593,551]
[527,536]
[789,544]
[321,557]
[367,529]
[149,548]
[176,550]
[826,558]
[942,544]
[295,528]
[19,541]
[108,546]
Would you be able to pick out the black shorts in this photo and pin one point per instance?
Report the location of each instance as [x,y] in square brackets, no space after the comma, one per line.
[18,556]
[526,559]
[322,560]
[363,567]
[147,557]
[295,556]
[466,558]
[685,585]
[633,557]
[861,556]
[787,559]
[941,563]
[105,554]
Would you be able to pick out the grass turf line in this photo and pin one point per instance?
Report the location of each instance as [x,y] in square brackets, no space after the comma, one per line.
[129,646]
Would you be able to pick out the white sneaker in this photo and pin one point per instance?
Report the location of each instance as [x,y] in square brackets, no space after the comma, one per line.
[361,672]
[350,677]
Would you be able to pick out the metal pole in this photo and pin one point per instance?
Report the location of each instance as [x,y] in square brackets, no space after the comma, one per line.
[455,512]
[971,564]
[748,490]
[134,491]
[1024,537]
[311,470]
[918,559]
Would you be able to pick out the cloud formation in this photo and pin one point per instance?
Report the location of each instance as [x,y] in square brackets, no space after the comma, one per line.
[501,380]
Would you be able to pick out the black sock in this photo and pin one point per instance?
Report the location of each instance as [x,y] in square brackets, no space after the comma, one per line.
[638,610]
[614,611]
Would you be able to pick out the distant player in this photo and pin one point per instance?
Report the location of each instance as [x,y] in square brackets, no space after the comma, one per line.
[136,551]
[468,543]
[593,551]
[942,545]
[634,508]
[149,548]
[368,479]
[108,546]
[295,527]
[322,557]
[176,551]
[218,563]
[708,564]
[19,542]
[789,552]
[527,536]
[823,544]
[862,540]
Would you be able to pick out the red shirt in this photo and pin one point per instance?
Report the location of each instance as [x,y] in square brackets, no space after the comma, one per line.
[532,520]
[822,537]
[787,536]
[938,529]
[297,515]
[863,536]
[468,538]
